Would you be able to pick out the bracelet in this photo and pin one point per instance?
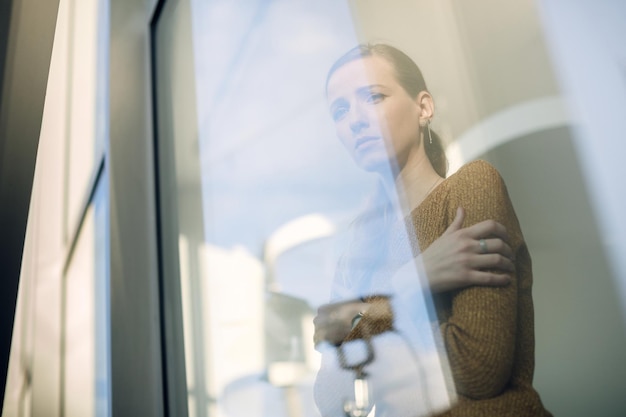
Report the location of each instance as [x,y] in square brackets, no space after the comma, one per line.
[356,319]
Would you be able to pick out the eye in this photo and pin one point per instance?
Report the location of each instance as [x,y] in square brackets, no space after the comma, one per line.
[375,97]
[339,112]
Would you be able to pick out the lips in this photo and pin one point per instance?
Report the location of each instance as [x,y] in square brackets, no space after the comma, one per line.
[363,140]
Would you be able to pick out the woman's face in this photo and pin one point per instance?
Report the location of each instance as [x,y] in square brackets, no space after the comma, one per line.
[375,117]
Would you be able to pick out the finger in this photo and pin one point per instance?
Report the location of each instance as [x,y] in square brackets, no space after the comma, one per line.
[495,245]
[489,278]
[318,336]
[457,223]
[487,228]
[492,261]
[330,334]
[327,308]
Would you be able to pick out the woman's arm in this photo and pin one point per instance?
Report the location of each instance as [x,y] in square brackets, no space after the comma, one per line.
[454,261]
[480,333]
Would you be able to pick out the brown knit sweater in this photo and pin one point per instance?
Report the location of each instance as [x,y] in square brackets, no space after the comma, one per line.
[487,331]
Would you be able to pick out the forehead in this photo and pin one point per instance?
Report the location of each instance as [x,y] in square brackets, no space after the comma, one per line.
[371,70]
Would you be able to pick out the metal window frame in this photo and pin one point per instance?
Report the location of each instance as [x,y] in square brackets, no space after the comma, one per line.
[137,380]
[172,337]
[147,351]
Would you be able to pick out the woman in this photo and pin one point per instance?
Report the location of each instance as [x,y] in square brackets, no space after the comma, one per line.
[480,275]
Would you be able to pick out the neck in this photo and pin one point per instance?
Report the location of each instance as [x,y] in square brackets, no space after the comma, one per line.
[412,181]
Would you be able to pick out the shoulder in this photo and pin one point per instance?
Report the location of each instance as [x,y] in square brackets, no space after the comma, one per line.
[477,172]
[479,188]
[475,180]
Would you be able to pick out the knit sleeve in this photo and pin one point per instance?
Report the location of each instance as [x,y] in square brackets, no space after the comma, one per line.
[480,332]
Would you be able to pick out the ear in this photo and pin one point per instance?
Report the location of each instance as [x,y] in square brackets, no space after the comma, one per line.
[426,106]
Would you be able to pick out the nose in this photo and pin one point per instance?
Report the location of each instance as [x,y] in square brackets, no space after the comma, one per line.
[358,120]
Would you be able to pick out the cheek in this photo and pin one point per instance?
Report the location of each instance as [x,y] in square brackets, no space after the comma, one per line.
[401,124]
[387,124]
[343,133]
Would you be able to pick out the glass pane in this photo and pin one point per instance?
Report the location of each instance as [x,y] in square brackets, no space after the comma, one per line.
[273,218]
[263,196]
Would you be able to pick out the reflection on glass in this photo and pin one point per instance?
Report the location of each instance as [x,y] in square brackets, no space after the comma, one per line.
[265,202]
[474,258]
[264,194]
[274,195]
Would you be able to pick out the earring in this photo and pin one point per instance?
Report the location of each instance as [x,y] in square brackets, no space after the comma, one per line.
[430,138]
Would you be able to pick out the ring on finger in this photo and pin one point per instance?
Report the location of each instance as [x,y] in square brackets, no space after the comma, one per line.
[483,246]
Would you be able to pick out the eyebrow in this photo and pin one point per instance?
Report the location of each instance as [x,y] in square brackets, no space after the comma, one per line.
[367,88]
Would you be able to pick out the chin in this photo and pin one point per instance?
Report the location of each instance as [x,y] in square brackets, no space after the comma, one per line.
[375,165]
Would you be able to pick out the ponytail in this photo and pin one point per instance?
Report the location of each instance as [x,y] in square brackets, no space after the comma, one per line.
[435,152]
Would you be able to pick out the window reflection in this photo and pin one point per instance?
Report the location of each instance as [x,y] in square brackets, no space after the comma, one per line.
[264,195]
[244,112]
[264,203]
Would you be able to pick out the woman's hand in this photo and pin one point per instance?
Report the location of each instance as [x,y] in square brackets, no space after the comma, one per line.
[458,259]
[455,260]
[334,321]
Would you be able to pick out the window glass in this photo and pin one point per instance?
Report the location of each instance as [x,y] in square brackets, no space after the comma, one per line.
[265,195]
[267,205]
